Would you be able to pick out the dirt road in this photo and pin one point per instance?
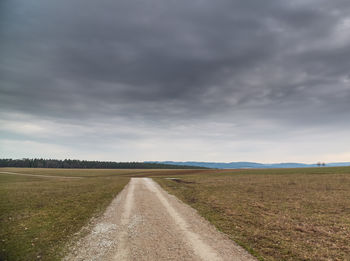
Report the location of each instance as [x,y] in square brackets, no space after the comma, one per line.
[146,223]
[40,176]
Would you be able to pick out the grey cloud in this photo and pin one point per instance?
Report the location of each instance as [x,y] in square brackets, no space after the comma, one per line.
[175,61]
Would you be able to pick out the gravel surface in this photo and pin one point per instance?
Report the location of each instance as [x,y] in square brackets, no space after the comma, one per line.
[146,223]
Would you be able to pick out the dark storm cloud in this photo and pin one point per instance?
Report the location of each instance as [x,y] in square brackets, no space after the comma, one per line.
[176,60]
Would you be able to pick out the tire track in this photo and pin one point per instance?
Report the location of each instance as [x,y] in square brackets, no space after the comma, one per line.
[145,223]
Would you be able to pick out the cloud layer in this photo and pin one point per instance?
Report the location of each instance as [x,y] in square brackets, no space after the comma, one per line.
[218,80]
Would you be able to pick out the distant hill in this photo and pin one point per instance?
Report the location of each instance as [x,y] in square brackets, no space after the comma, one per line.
[84,164]
[247,165]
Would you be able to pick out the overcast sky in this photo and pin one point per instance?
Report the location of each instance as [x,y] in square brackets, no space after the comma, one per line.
[135,80]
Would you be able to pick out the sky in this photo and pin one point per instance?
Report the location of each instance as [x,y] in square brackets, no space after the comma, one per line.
[202,80]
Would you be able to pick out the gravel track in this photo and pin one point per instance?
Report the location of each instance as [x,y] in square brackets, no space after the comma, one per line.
[146,223]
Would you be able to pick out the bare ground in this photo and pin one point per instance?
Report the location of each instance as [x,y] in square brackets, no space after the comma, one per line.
[146,223]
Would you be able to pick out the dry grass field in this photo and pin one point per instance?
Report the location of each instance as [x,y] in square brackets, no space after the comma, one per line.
[38,215]
[290,214]
[278,214]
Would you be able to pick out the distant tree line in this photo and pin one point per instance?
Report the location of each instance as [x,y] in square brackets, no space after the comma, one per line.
[85,164]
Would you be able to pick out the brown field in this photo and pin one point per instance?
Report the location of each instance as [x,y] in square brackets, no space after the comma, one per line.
[39,215]
[290,214]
